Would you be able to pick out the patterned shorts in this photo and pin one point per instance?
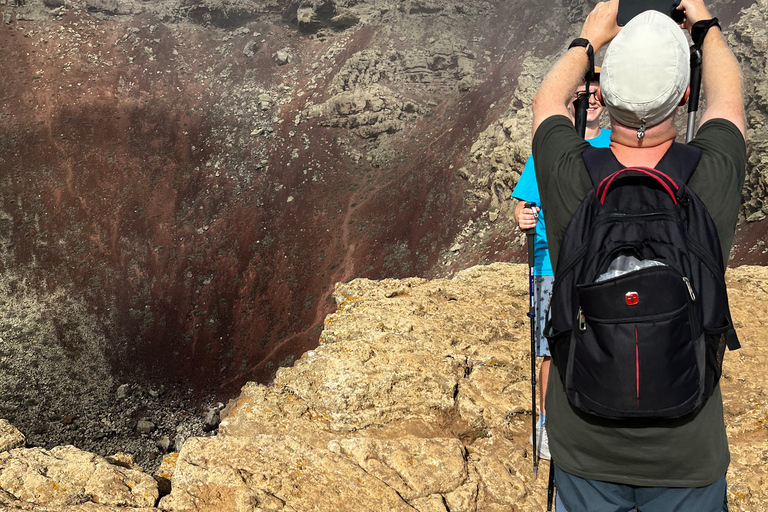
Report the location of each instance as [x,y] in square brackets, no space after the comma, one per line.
[542,293]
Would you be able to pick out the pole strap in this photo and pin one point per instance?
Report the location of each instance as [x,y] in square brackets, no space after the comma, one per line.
[700,29]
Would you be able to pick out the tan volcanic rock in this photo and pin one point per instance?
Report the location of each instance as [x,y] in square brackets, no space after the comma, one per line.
[417,399]
[745,390]
[10,437]
[413,401]
[66,476]
[196,201]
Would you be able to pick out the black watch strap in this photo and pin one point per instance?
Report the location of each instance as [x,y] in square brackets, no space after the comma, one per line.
[580,41]
[700,28]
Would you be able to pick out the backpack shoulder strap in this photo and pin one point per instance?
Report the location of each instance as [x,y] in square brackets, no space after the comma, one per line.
[600,164]
[679,162]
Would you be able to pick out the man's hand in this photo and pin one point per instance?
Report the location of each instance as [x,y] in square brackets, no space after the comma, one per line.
[720,71]
[694,11]
[600,26]
[555,93]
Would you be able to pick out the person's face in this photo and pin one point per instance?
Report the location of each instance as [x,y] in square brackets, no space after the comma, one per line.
[595,108]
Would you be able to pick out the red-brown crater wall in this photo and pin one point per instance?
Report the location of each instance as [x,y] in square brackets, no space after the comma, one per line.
[167,175]
[117,186]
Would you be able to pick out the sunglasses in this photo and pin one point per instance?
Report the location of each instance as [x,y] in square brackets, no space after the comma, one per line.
[582,93]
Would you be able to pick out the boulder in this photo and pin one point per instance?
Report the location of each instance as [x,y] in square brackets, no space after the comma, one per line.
[10,436]
[66,476]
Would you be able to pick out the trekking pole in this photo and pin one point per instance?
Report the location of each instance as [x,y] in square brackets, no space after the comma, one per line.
[693,98]
[580,105]
[551,486]
[530,233]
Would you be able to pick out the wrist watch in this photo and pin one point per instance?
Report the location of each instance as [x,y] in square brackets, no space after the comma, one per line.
[580,41]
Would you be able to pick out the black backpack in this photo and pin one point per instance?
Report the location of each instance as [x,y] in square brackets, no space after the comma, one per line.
[639,310]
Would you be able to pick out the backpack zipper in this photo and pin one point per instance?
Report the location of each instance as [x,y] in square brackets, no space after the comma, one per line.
[631,319]
[690,288]
[692,321]
[602,220]
[632,216]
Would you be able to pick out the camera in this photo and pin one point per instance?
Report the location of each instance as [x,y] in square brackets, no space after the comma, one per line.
[628,9]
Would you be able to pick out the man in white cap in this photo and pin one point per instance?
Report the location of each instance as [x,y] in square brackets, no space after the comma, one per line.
[655,465]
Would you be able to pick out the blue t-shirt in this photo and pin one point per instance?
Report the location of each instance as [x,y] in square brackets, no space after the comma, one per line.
[527,189]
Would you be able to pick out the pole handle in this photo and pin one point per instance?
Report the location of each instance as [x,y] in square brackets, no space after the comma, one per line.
[530,234]
[580,106]
[693,98]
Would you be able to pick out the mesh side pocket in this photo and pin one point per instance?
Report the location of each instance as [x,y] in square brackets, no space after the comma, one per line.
[715,345]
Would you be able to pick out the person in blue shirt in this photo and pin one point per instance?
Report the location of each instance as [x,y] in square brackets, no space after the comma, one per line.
[527,191]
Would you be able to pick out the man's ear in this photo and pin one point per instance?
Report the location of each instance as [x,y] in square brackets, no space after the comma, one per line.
[685,96]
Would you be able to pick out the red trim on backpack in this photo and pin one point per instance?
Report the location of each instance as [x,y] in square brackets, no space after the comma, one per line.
[648,171]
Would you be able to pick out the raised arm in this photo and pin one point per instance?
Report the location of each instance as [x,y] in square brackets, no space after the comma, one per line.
[720,71]
[557,88]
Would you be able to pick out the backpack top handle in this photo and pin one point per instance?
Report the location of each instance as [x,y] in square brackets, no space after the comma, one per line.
[666,182]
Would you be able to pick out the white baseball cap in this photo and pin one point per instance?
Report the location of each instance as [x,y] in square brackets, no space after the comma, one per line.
[646,70]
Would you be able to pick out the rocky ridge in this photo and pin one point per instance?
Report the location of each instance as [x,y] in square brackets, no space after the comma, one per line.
[417,399]
[750,39]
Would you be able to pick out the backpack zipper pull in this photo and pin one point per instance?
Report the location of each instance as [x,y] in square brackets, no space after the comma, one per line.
[582,321]
[690,288]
